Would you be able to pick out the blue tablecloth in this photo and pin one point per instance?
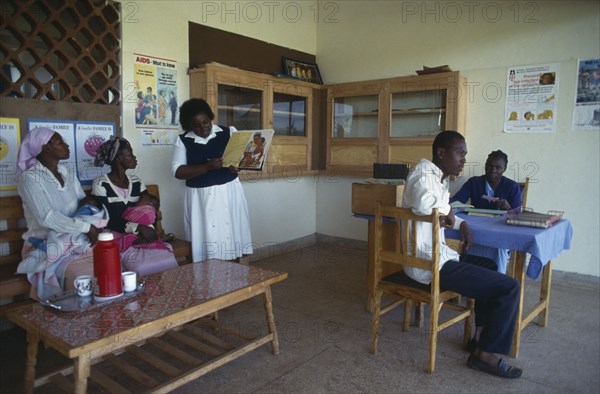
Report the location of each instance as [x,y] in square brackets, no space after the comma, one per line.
[543,244]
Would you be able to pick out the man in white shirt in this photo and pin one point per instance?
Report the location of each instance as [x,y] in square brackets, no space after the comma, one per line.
[496,295]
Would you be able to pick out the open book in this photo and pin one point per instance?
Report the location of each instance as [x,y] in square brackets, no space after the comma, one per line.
[535,219]
[247,150]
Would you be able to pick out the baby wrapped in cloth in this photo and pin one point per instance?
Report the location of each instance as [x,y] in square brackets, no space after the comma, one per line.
[142,255]
[49,257]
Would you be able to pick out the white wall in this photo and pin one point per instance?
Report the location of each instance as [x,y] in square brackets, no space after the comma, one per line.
[358,40]
[379,39]
[334,208]
[280,210]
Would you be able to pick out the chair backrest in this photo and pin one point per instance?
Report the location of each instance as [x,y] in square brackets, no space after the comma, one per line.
[153,189]
[405,251]
[524,186]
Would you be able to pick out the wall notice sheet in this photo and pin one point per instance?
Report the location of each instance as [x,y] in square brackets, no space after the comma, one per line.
[531,97]
[586,114]
[154,92]
[84,138]
[10,140]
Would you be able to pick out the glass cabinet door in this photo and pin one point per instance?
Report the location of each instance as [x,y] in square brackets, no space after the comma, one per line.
[289,115]
[418,114]
[355,117]
[240,107]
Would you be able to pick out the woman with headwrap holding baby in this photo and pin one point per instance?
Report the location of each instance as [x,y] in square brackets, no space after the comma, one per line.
[50,195]
[141,249]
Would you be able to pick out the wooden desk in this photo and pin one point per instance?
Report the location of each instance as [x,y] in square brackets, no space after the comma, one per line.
[364,202]
[171,299]
[543,245]
[488,232]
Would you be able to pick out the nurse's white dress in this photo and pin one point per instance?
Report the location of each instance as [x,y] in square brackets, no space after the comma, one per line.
[216,219]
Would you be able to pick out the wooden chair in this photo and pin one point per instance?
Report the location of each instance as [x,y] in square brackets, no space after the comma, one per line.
[404,289]
[181,248]
[524,186]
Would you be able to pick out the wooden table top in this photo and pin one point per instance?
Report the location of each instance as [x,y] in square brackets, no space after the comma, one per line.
[165,294]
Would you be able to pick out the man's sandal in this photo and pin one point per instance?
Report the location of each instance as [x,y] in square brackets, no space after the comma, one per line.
[502,369]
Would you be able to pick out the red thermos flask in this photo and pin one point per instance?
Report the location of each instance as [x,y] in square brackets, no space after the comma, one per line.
[107,266]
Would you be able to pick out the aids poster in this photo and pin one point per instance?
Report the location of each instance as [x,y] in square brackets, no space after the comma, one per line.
[156,109]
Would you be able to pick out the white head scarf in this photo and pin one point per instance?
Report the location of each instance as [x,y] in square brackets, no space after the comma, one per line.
[31,147]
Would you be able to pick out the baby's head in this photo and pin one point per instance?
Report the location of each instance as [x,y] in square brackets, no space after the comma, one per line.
[91,200]
[149,199]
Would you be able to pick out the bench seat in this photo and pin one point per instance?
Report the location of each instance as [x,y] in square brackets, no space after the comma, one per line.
[17,286]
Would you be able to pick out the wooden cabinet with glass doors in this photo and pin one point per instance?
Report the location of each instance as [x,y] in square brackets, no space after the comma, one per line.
[390,120]
[250,101]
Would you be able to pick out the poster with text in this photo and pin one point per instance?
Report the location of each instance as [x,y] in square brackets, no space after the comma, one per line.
[84,139]
[67,131]
[10,141]
[531,97]
[156,109]
[88,138]
[586,114]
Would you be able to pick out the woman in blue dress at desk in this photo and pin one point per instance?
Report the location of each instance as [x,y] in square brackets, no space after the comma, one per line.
[491,191]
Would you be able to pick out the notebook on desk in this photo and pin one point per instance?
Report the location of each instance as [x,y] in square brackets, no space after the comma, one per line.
[459,206]
[484,212]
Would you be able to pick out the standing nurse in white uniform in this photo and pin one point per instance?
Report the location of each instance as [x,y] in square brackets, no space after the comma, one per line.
[215,209]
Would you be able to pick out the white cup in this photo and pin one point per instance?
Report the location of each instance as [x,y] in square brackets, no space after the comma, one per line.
[129,281]
[83,284]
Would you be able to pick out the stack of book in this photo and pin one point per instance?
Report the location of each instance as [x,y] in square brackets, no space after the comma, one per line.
[484,212]
[535,219]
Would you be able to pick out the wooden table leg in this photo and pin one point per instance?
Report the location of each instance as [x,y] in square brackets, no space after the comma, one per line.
[545,294]
[81,372]
[32,349]
[519,275]
[268,301]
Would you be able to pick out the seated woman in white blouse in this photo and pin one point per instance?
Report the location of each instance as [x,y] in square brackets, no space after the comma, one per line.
[50,195]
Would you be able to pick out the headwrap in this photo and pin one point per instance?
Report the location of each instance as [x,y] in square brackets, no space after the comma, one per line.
[31,147]
[140,214]
[108,151]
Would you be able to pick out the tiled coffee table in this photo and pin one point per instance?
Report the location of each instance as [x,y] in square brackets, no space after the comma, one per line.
[170,300]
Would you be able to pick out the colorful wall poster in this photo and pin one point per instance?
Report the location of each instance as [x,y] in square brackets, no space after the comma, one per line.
[586,113]
[531,97]
[66,129]
[88,138]
[84,138]
[156,110]
[10,141]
